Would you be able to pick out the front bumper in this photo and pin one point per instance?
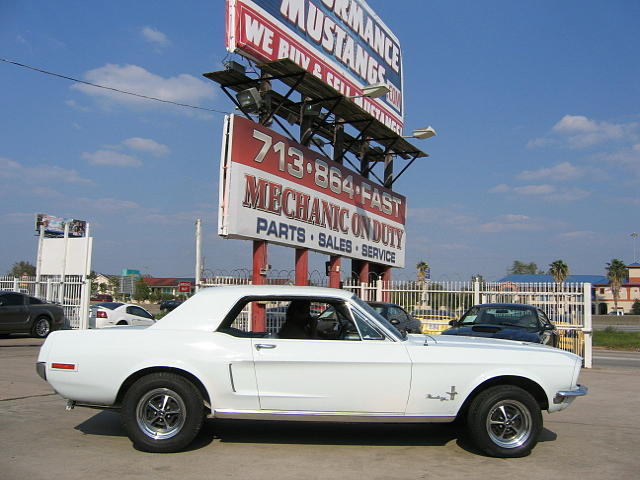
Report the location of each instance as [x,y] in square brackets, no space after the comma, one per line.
[568,395]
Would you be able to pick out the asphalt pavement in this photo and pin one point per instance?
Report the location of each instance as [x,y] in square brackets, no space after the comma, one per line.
[594,438]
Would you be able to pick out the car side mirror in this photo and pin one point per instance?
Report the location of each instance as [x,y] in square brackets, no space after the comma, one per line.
[453,323]
[549,326]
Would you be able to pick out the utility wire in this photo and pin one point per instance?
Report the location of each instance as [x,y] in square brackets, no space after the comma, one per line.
[111,88]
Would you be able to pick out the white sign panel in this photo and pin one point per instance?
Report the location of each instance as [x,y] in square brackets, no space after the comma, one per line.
[342,42]
[277,190]
[78,256]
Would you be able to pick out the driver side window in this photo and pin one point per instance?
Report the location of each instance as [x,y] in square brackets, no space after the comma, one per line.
[367,331]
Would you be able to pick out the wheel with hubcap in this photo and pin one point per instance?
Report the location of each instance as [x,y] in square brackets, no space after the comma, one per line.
[41,327]
[162,412]
[505,421]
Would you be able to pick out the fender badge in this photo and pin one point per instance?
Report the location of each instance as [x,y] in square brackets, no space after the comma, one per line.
[452,394]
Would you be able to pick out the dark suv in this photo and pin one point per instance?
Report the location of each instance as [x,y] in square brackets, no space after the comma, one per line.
[20,313]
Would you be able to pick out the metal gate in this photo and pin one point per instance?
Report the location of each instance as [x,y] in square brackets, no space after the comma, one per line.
[568,305]
[72,293]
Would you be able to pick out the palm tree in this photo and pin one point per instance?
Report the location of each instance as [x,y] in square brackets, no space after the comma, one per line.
[617,274]
[559,271]
[422,268]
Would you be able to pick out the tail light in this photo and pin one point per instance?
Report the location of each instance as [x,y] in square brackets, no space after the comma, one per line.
[101,314]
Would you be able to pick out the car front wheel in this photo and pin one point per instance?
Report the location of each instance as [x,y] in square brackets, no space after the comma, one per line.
[505,421]
[41,327]
[162,412]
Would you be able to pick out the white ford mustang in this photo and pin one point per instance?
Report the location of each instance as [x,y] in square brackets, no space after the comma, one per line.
[327,356]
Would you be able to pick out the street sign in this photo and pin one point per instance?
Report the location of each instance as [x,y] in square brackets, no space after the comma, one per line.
[184,287]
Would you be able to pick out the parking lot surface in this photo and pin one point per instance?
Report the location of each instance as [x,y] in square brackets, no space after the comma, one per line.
[597,437]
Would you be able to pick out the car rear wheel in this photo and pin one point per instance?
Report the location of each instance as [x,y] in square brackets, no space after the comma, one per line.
[41,327]
[162,412]
[122,322]
[504,421]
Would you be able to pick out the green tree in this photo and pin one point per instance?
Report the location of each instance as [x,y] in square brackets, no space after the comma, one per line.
[520,268]
[635,308]
[617,275]
[20,268]
[559,271]
[141,291]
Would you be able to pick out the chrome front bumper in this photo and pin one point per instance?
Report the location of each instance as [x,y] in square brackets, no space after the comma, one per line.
[564,395]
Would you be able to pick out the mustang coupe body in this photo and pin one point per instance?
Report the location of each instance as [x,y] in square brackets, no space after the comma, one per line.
[329,357]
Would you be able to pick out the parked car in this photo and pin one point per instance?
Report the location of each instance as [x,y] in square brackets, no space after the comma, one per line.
[102,297]
[205,359]
[21,313]
[429,315]
[505,320]
[108,314]
[168,305]
[398,316]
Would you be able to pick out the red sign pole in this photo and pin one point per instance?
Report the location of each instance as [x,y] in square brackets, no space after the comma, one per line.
[302,266]
[334,271]
[259,278]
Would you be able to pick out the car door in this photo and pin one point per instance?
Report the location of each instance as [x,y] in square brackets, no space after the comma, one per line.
[14,314]
[364,372]
[139,316]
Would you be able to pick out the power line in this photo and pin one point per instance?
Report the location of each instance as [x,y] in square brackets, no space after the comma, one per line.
[39,70]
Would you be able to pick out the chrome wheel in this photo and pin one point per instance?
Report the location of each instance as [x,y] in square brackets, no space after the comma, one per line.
[41,327]
[161,413]
[509,424]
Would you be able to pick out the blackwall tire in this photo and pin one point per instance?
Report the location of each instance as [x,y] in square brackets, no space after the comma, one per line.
[504,421]
[162,412]
[41,327]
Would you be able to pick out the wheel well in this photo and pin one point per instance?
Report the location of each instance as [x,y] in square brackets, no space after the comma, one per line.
[526,384]
[137,375]
[122,322]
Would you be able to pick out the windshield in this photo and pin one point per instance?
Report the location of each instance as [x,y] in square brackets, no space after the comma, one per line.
[383,321]
[512,316]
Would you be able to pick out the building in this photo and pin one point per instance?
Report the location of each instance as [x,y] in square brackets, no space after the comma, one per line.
[602,295]
[169,286]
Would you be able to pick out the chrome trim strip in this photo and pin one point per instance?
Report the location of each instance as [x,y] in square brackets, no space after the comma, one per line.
[233,386]
[326,416]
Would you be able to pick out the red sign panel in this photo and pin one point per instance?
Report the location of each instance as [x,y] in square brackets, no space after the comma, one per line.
[277,190]
[184,287]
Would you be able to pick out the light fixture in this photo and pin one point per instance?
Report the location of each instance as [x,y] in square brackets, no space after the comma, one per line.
[375,90]
[249,100]
[422,133]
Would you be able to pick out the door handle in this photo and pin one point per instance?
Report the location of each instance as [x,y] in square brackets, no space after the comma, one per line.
[260,346]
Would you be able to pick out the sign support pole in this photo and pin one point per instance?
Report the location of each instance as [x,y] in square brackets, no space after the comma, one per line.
[259,278]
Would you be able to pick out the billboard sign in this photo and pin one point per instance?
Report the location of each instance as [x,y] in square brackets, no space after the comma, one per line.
[342,42]
[54,226]
[71,256]
[277,190]
[184,287]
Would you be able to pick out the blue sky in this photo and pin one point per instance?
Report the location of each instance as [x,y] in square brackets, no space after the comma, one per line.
[536,105]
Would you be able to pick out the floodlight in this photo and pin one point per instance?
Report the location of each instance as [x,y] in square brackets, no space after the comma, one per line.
[250,100]
[375,90]
[422,133]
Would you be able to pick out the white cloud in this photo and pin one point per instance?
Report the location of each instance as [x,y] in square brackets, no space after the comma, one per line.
[154,36]
[108,204]
[147,145]
[561,171]
[502,188]
[576,235]
[76,106]
[111,158]
[44,174]
[132,78]
[535,189]
[545,191]
[575,123]
[578,131]
[510,223]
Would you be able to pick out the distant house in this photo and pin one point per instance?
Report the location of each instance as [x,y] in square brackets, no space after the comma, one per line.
[602,295]
[169,286]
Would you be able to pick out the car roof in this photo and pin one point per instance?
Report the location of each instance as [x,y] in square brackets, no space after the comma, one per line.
[505,305]
[207,308]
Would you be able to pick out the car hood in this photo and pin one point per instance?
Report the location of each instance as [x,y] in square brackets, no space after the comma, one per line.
[495,331]
[461,341]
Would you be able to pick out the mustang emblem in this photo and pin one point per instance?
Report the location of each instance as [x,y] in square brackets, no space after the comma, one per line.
[452,394]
